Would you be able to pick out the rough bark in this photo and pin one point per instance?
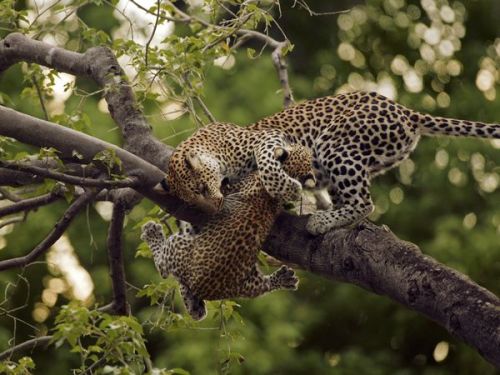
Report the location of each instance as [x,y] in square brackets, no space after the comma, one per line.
[368,256]
[373,258]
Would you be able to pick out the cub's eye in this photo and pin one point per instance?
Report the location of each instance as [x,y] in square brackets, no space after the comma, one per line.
[224,182]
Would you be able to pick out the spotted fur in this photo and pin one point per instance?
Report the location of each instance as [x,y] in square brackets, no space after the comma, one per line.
[227,154]
[353,137]
[219,261]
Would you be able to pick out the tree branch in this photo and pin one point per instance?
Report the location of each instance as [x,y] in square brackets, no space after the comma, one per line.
[99,64]
[115,256]
[277,46]
[74,180]
[31,203]
[41,133]
[376,260]
[27,345]
[281,67]
[14,178]
[53,236]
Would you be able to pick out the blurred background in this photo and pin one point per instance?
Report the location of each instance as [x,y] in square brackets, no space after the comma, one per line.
[437,56]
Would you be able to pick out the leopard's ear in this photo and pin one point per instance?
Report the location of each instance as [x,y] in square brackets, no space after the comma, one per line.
[281,154]
[192,161]
[162,187]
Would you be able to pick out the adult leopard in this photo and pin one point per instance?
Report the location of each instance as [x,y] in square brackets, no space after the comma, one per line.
[353,138]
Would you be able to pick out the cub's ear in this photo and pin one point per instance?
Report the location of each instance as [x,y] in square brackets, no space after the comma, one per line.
[192,161]
[162,187]
[281,154]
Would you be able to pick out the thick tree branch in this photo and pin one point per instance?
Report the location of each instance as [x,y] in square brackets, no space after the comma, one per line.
[115,257]
[281,67]
[37,132]
[375,259]
[53,236]
[41,133]
[99,64]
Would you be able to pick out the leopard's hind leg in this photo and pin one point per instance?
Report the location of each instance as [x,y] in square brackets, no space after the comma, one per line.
[195,306]
[349,187]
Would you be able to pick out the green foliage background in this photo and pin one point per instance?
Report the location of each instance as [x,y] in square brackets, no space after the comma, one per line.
[325,327]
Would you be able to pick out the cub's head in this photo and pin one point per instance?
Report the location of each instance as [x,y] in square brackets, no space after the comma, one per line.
[297,163]
[196,178]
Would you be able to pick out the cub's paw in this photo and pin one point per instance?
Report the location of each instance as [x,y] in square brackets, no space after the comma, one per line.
[285,278]
[151,231]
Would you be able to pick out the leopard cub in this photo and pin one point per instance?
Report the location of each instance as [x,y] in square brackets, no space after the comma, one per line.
[220,260]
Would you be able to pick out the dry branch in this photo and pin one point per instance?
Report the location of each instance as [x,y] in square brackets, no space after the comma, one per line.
[277,55]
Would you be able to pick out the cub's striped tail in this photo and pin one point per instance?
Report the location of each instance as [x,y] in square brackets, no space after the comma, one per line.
[430,125]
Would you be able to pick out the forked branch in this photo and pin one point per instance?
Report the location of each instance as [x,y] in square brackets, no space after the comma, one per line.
[53,236]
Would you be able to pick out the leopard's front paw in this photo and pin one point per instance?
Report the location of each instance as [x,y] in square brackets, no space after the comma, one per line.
[293,191]
[318,224]
[151,231]
[285,278]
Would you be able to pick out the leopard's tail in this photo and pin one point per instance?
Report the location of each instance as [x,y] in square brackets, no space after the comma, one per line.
[430,125]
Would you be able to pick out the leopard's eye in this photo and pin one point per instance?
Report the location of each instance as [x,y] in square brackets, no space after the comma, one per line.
[224,182]
[203,189]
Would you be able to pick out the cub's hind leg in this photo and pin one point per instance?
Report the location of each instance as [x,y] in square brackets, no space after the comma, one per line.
[257,283]
[170,255]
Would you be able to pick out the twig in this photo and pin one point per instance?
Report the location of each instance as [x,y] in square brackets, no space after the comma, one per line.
[53,236]
[277,54]
[152,33]
[115,256]
[31,203]
[40,97]
[13,220]
[6,194]
[27,345]
[74,180]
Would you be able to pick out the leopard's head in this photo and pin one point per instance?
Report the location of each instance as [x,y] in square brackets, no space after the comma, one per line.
[196,178]
[297,163]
